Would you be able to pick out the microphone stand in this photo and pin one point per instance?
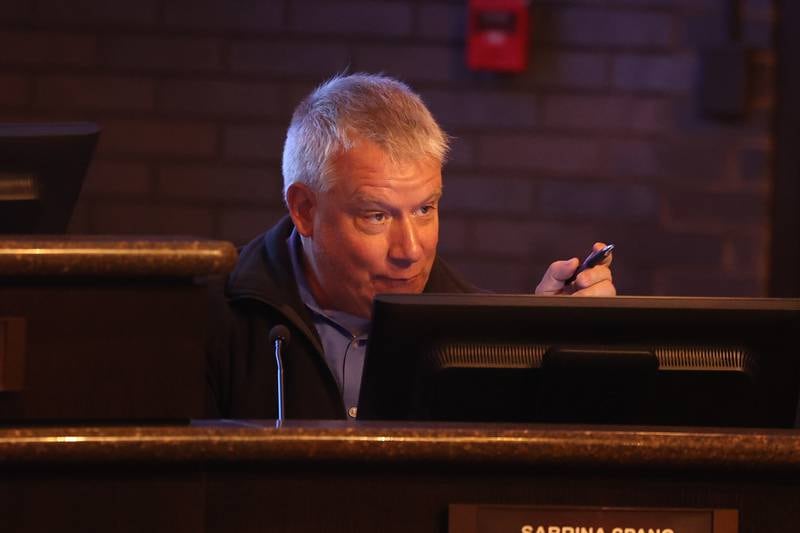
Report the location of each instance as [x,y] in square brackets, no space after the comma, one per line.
[279,363]
[279,336]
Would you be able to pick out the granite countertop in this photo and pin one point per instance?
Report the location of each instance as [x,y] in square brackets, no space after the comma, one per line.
[68,256]
[488,445]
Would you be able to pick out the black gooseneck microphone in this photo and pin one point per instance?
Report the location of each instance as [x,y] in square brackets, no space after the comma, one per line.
[279,337]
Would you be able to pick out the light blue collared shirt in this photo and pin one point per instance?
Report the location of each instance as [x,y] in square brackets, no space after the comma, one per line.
[344,336]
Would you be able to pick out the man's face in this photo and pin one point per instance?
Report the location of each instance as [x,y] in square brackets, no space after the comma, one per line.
[375,231]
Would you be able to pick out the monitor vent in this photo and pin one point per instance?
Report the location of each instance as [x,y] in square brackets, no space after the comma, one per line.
[474,355]
[697,357]
[510,355]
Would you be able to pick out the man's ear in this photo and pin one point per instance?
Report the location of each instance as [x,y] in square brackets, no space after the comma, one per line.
[302,204]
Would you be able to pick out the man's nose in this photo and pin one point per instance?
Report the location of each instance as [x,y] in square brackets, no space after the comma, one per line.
[404,246]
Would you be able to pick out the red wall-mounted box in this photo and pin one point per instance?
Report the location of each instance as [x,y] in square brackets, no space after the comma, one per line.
[497,35]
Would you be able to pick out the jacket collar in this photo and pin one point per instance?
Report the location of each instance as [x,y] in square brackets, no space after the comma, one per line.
[264,268]
[264,274]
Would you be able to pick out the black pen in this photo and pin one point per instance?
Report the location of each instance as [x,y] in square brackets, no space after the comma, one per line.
[593,259]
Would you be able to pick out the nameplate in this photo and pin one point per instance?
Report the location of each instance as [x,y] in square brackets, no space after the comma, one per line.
[465,518]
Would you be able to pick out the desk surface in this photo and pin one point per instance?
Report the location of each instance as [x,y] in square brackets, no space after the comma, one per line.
[486,445]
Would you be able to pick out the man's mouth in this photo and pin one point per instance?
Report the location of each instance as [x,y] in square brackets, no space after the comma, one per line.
[397,281]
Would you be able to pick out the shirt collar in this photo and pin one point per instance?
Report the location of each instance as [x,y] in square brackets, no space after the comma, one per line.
[355,326]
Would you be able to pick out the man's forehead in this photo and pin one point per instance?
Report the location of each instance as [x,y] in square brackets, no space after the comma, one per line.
[369,194]
[362,151]
[418,188]
[354,170]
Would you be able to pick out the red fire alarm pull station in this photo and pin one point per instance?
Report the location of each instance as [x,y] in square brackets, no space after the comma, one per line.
[497,35]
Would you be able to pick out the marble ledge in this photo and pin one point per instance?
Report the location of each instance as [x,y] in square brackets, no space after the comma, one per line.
[487,445]
[110,256]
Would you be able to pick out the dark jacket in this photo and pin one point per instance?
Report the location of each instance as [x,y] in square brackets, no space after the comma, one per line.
[260,293]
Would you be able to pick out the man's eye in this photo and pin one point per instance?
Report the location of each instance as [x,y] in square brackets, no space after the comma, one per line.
[375,218]
[425,209]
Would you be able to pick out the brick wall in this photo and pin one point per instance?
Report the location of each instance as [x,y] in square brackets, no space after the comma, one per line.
[603,138]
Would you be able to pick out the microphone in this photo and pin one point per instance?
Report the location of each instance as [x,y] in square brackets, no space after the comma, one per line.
[279,337]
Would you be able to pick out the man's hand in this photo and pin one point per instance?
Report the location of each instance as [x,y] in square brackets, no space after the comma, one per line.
[596,281]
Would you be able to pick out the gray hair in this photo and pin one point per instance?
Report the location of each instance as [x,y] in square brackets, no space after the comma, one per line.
[345,108]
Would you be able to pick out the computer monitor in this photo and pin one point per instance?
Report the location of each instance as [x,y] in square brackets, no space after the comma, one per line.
[42,167]
[622,360]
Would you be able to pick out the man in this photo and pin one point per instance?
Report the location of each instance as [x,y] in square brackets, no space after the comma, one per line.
[362,182]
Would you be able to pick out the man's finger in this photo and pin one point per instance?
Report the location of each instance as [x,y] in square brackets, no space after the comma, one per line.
[603,288]
[594,275]
[558,272]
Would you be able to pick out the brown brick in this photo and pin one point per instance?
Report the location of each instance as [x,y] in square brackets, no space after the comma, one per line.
[717,210]
[606,27]
[697,161]
[455,109]
[632,281]
[748,253]
[553,68]
[153,137]
[702,28]
[163,53]
[487,194]
[607,113]
[289,58]
[548,153]
[83,12]
[413,63]
[148,219]
[462,152]
[221,184]
[453,231]
[221,98]
[634,158]
[650,246]
[493,274]
[385,18]
[443,22]
[254,142]
[242,225]
[296,91]
[504,238]
[13,91]
[94,92]
[550,241]
[673,73]
[243,15]
[705,282]
[540,240]
[117,178]
[587,201]
[47,48]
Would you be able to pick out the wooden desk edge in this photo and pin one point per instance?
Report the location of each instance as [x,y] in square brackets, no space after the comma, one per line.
[479,445]
[114,257]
